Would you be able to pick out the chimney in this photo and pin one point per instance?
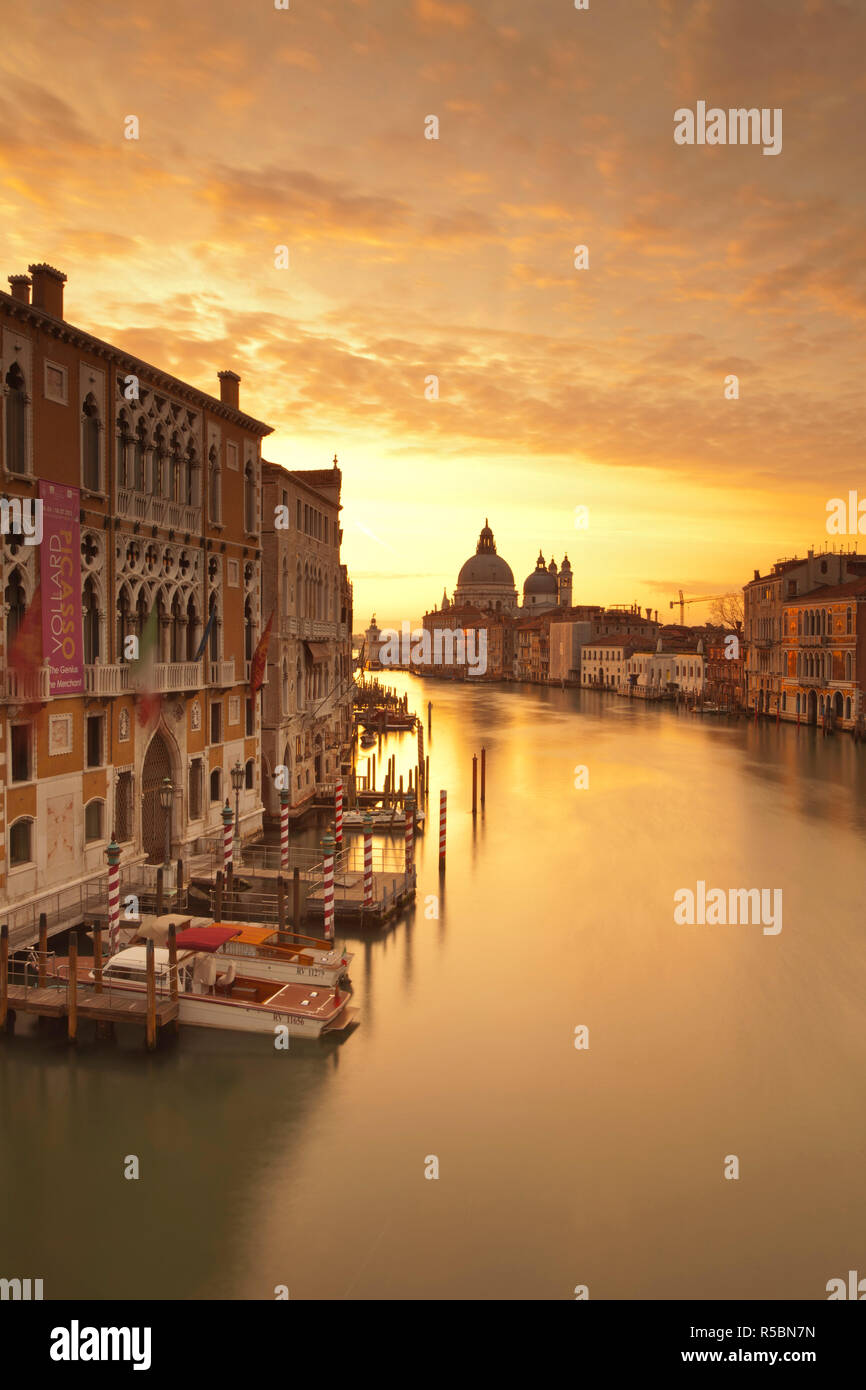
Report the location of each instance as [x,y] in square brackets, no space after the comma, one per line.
[229,383]
[19,288]
[48,288]
[757,575]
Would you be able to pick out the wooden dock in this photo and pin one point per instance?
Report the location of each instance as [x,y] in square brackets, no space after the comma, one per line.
[36,987]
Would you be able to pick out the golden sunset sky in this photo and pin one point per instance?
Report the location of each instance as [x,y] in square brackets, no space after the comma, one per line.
[411,257]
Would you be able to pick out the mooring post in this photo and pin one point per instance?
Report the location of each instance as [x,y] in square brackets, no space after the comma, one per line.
[230,885]
[150,1018]
[281,904]
[4,974]
[43,949]
[374,772]
[328,844]
[427,778]
[474,784]
[409,860]
[97,959]
[179,895]
[218,897]
[443,806]
[429,716]
[72,990]
[160,902]
[483,773]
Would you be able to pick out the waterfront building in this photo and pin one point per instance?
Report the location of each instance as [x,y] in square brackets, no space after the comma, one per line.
[824,648]
[764,600]
[307,708]
[726,664]
[604,661]
[373,645]
[673,668]
[150,492]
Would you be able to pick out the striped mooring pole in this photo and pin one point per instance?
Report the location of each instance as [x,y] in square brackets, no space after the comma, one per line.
[338,813]
[328,844]
[113,856]
[284,828]
[443,805]
[228,836]
[368,860]
[410,841]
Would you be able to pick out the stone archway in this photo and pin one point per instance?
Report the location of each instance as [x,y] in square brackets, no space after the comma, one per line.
[811,707]
[158,764]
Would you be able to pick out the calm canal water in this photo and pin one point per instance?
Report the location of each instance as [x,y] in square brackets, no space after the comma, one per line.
[558,1166]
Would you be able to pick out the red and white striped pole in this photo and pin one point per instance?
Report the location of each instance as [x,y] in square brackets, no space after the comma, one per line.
[328,843]
[410,841]
[284,828]
[443,805]
[368,860]
[113,855]
[228,836]
[338,814]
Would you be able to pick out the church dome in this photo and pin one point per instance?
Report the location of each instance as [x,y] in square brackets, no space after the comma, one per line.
[485,568]
[541,581]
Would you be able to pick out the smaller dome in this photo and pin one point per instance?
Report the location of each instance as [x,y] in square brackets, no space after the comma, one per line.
[541,581]
[551,568]
[566,564]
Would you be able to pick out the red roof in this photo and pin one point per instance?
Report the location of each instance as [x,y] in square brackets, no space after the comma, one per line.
[205,938]
[851,589]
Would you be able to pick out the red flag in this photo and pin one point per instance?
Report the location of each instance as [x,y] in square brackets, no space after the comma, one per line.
[25,654]
[260,658]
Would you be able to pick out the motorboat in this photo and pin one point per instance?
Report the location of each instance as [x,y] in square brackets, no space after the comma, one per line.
[259,952]
[212,993]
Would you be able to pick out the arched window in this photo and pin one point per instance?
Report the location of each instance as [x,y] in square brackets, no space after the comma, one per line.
[124,451]
[138,453]
[249,631]
[16,607]
[16,420]
[849,622]
[124,622]
[90,427]
[91,622]
[94,819]
[284,590]
[849,666]
[214,640]
[189,494]
[21,842]
[193,629]
[285,687]
[249,775]
[157,466]
[251,519]
[215,784]
[299,685]
[799,623]
[214,485]
[848,708]
[178,624]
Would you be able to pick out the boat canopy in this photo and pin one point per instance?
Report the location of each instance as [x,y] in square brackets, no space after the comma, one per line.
[205,938]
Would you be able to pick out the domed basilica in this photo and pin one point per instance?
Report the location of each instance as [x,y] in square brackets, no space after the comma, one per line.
[486,582]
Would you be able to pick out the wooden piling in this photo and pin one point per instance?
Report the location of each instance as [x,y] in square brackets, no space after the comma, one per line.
[4,974]
[97,959]
[427,777]
[474,784]
[218,897]
[230,887]
[281,904]
[150,1023]
[296,901]
[72,989]
[483,773]
[179,895]
[429,716]
[172,962]
[43,949]
[160,898]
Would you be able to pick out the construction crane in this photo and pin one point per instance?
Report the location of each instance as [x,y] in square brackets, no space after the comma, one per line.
[682,603]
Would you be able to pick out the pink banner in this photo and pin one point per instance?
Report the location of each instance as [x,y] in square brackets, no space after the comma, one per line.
[62,636]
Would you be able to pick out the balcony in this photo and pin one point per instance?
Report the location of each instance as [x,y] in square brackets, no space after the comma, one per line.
[158,511]
[25,688]
[221,673]
[105,680]
[248,668]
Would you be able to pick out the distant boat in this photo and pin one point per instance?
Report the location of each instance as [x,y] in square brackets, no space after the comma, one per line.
[368,739]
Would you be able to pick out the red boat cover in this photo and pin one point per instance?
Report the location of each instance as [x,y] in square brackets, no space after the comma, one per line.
[205,938]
